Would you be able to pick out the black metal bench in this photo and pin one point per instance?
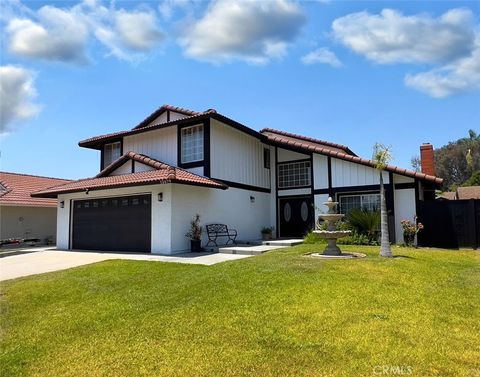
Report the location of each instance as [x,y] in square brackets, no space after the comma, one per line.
[215,231]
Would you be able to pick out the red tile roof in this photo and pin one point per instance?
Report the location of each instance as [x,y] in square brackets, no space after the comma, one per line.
[164,173]
[135,157]
[15,189]
[308,140]
[287,141]
[164,108]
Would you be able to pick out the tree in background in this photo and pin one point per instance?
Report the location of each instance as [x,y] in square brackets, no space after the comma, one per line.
[457,161]
[381,158]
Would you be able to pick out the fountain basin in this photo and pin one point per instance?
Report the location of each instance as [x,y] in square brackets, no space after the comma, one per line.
[331,216]
[332,234]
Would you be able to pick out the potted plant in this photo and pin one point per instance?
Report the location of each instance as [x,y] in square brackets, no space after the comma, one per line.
[410,230]
[267,232]
[195,234]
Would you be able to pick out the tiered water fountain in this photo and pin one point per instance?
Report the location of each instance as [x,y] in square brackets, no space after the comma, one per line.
[332,234]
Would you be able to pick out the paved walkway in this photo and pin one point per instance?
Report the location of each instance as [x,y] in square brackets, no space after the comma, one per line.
[49,260]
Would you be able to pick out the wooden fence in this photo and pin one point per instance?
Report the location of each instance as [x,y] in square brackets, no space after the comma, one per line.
[450,224]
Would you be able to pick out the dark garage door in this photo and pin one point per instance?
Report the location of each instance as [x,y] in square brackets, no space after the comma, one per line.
[113,224]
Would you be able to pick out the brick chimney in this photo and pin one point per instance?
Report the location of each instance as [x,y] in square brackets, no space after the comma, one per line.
[426,159]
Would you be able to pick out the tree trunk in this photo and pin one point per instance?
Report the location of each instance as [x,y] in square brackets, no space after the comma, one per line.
[385,250]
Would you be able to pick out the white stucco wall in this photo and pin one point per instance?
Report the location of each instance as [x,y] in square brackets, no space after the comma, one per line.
[27,222]
[232,207]
[161,213]
[236,156]
[171,217]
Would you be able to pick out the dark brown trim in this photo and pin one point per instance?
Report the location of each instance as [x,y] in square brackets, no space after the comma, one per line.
[206,148]
[277,220]
[133,165]
[205,163]
[243,186]
[266,158]
[329,168]
[168,115]
[404,186]
[70,220]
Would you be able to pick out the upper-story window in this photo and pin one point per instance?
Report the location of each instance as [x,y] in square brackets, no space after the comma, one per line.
[192,144]
[111,152]
[294,174]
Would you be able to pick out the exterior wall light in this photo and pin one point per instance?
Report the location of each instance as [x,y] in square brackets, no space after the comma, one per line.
[86,191]
[252,199]
[160,197]
[62,204]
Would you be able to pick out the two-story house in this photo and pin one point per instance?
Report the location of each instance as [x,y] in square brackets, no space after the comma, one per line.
[156,176]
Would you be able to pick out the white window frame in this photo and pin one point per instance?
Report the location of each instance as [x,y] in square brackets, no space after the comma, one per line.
[362,198]
[296,177]
[195,143]
[108,152]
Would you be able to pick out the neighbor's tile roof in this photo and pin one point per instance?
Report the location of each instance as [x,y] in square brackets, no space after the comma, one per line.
[288,141]
[469,192]
[308,140]
[449,195]
[15,189]
[164,173]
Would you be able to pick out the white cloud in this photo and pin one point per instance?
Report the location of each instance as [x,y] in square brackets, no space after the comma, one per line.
[391,37]
[63,34]
[58,35]
[253,31]
[322,55]
[449,43]
[137,30]
[459,77]
[16,93]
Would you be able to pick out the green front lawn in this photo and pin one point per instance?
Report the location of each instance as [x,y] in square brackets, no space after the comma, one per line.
[279,314]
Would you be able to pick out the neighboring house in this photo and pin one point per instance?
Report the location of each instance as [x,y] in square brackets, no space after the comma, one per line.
[462,193]
[155,177]
[24,217]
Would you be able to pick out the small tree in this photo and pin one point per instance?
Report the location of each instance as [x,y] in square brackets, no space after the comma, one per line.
[381,158]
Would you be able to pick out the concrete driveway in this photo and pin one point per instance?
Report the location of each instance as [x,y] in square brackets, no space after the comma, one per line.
[48,260]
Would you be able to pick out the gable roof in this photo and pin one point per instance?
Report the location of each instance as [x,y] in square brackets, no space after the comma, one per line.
[308,140]
[96,141]
[164,108]
[162,174]
[281,140]
[15,189]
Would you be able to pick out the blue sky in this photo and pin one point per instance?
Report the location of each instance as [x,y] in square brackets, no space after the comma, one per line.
[355,73]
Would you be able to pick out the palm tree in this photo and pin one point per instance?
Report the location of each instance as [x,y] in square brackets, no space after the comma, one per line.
[381,158]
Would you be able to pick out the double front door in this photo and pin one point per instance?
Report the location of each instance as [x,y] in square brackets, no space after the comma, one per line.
[296,215]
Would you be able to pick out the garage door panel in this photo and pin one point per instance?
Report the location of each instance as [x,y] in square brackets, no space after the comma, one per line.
[113,224]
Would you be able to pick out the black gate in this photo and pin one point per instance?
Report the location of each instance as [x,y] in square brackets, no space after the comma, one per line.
[450,224]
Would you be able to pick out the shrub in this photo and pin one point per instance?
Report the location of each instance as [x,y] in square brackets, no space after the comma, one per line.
[365,222]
